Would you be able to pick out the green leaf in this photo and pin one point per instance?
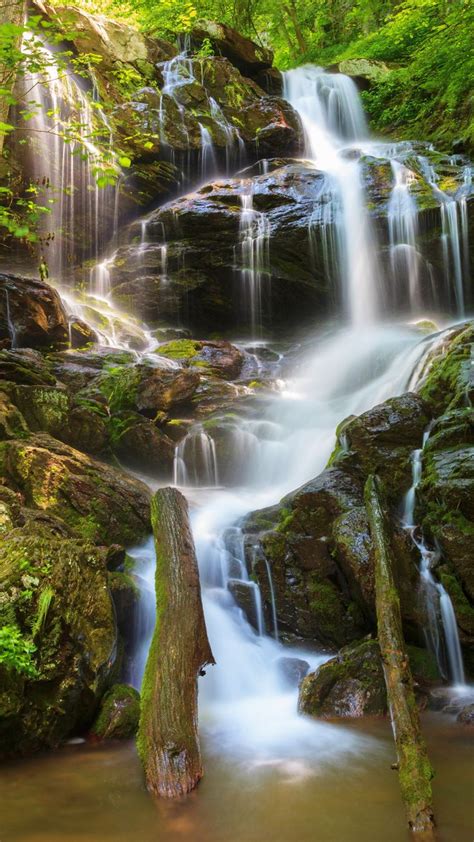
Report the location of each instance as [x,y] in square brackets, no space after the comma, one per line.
[124,161]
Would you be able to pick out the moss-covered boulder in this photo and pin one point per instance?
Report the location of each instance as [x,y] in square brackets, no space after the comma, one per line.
[141,444]
[119,714]
[384,437]
[27,367]
[31,314]
[53,410]
[144,387]
[216,357]
[58,637]
[350,685]
[99,502]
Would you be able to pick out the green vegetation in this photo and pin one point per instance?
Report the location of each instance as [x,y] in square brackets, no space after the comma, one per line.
[16,651]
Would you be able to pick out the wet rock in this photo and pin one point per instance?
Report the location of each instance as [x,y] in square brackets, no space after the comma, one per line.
[219,357]
[246,595]
[81,334]
[125,596]
[292,670]
[385,436]
[119,714]
[466,716]
[31,314]
[26,367]
[99,502]
[248,57]
[56,606]
[350,685]
[139,443]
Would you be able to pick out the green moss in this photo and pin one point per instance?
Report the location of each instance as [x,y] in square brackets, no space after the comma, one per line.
[119,713]
[180,349]
[423,664]
[446,382]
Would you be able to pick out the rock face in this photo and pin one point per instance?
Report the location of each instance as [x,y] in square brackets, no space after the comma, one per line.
[248,57]
[446,491]
[320,552]
[31,314]
[58,635]
[97,501]
[350,685]
[215,236]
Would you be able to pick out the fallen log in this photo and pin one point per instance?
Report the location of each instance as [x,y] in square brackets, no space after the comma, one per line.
[414,768]
[168,742]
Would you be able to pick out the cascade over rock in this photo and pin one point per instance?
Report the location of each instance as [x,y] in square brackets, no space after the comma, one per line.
[32,314]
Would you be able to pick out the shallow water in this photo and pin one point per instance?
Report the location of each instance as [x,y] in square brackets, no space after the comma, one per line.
[95,793]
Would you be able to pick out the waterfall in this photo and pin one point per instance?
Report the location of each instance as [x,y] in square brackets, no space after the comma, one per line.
[403,230]
[436,601]
[195,460]
[255,240]
[66,164]
[333,120]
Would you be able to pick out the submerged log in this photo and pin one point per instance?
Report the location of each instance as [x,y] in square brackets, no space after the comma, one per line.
[168,741]
[414,768]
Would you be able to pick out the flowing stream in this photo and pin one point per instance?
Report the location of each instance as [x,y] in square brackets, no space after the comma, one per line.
[247,710]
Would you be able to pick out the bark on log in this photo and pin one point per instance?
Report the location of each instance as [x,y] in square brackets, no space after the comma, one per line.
[168,741]
[414,768]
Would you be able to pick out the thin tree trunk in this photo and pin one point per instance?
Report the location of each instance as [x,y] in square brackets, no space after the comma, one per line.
[12,12]
[168,741]
[290,9]
[414,768]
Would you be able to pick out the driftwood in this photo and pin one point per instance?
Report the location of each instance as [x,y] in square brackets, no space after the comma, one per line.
[168,741]
[414,768]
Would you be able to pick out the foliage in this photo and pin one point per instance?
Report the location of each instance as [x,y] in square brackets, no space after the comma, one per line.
[16,651]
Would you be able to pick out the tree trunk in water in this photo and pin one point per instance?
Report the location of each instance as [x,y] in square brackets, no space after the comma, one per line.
[12,12]
[414,768]
[167,738]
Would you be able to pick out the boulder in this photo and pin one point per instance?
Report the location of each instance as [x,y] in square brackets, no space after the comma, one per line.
[218,357]
[248,57]
[119,714]
[31,314]
[139,443]
[365,72]
[145,387]
[292,670]
[52,410]
[350,685]
[97,501]
[59,637]
[466,716]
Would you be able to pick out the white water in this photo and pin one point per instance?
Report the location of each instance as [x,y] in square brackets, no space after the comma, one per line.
[334,122]
[255,242]
[65,162]
[246,709]
[441,626]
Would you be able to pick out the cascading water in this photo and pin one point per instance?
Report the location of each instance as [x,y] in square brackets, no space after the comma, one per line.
[65,162]
[195,460]
[246,708]
[255,239]
[403,229]
[441,626]
[334,122]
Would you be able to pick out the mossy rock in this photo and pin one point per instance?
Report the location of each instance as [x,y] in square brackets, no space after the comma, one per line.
[55,598]
[97,501]
[447,383]
[119,714]
[350,685]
